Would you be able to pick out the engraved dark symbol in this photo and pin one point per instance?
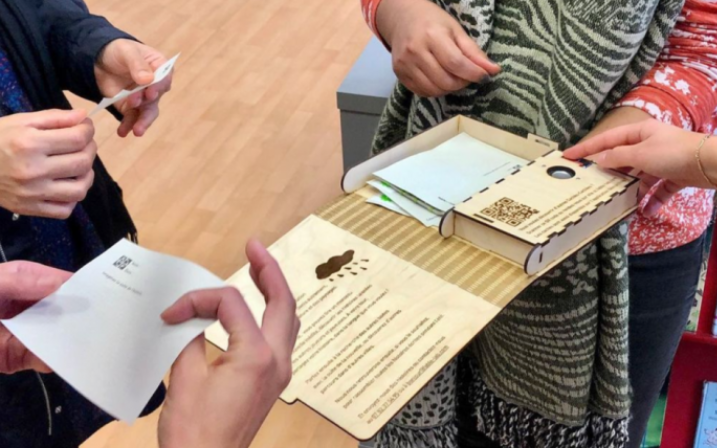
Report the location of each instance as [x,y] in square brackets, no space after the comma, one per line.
[510,212]
[334,265]
[332,269]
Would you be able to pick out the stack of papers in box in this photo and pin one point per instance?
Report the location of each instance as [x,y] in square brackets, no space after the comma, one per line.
[429,184]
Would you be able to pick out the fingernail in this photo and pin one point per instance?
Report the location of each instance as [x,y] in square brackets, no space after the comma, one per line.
[484,80]
[49,283]
[651,209]
[145,73]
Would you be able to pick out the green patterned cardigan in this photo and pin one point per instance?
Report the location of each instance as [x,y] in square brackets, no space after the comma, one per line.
[551,370]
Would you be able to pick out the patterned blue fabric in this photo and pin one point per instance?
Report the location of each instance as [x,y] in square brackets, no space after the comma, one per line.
[67,245]
[12,98]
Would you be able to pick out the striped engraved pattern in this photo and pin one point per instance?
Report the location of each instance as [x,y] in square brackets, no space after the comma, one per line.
[476,271]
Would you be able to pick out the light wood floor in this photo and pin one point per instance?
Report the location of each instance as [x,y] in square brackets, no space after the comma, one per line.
[248,144]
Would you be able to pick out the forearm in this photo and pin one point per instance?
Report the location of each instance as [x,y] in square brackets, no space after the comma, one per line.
[619,117]
[75,39]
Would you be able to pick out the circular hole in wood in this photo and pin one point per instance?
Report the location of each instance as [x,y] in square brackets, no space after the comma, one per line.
[561,172]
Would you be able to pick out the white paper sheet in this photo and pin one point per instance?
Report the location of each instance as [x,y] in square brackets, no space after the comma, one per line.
[425,216]
[384,201]
[452,172]
[162,72]
[102,331]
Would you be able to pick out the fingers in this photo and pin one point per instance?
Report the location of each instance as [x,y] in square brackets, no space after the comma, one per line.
[148,115]
[189,367]
[134,101]
[662,195]
[456,63]
[72,165]
[280,322]
[646,183]
[48,209]
[139,68]
[621,136]
[443,79]
[620,157]
[22,281]
[139,115]
[225,304]
[15,357]
[128,121]
[73,190]
[66,140]
[471,50]
[417,82]
[53,119]
[153,93]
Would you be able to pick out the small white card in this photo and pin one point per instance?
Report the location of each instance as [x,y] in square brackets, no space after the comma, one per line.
[162,72]
[384,201]
[102,331]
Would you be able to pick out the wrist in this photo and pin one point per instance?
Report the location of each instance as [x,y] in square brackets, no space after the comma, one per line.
[708,158]
[389,13]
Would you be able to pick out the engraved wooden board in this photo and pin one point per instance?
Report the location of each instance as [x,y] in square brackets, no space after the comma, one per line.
[385,303]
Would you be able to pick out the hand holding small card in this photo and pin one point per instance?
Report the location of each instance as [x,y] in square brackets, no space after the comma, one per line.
[159,75]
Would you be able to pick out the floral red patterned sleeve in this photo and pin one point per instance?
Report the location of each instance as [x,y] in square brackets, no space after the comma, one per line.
[680,90]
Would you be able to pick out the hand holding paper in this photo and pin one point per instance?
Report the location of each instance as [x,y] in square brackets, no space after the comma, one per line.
[21,285]
[102,331]
[223,405]
[125,63]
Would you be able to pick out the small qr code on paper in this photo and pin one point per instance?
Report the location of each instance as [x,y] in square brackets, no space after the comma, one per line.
[122,263]
[510,212]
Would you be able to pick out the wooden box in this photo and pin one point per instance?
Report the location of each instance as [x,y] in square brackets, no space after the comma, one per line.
[535,217]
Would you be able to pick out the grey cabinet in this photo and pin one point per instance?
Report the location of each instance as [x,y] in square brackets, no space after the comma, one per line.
[361,99]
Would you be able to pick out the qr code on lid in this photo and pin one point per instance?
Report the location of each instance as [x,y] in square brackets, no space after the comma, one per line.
[122,263]
[510,212]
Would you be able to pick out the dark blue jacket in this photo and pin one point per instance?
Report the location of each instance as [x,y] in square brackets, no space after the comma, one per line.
[53,45]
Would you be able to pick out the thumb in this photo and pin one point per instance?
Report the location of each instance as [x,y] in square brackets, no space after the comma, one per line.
[189,367]
[53,119]
[473,52]
[662,195]
[140,70]
[25,281]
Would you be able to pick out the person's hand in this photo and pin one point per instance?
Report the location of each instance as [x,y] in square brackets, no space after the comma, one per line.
[46,162]
[21,285]
[223,405]
[663,155]
[432,53]
[124,64]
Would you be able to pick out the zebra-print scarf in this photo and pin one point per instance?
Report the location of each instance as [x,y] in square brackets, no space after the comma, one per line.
[551,370]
